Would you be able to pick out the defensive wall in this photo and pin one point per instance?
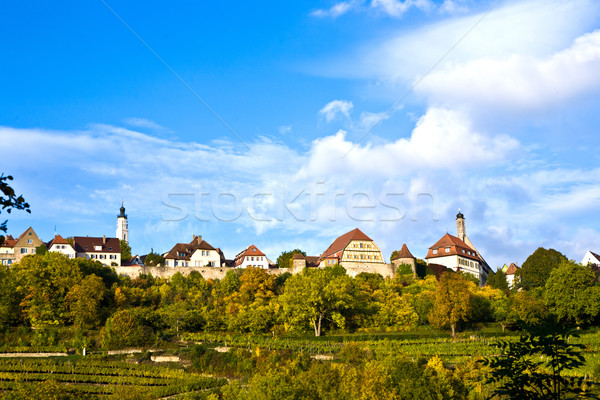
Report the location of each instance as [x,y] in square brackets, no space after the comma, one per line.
[385,270]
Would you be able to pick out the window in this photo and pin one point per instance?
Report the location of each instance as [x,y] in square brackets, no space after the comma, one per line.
[447,249]
[435,251]
[110,249]
[362,256]
[254,250]
[361,245]
[97,248]
[29,241]
[23,251]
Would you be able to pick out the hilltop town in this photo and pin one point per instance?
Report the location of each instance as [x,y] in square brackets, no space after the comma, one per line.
[354,250]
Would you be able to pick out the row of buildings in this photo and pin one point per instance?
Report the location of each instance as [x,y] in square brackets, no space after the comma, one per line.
[353,250]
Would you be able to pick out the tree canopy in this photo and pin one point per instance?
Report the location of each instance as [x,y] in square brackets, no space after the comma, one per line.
[285,258]
[537,268]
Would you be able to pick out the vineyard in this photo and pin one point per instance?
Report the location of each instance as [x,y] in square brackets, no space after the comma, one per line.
[99,377]
[450,350]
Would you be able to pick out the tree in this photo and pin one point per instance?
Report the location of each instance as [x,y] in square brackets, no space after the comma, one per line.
[46,280]
[537,268]
[452,301]
[153,259]
[533,367]
[125,251]
[571,293]
[285,258]
[498,281]
[9,201]
[315,295]
[41,249]
[84,301]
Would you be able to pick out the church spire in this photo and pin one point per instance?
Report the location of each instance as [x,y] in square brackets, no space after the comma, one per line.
[122,226]
[460,226]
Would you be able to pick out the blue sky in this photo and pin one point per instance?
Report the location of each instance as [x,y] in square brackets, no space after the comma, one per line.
[285,124]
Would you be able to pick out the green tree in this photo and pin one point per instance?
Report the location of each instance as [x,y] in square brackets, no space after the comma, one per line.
[46,280]
[10,297]
[126,328]
[537,268]
[125,251]
[153,259]
[9,201]
[526,309]
[452,301]
[84,300]
[533,367]
[41,249]
[498,281]
[285,258]
[315,295]
[572,294]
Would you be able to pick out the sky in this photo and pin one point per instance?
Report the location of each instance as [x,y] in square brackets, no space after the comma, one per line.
[286,124]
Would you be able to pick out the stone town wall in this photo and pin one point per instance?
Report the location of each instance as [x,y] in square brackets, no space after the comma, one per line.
[385,270]
[167,272]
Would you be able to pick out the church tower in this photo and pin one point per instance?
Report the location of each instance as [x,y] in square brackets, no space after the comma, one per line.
[122,229]
[461,232]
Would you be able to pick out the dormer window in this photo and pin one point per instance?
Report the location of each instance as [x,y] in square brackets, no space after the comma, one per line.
[254,250]
[435,251]
[98,248]
[447,249]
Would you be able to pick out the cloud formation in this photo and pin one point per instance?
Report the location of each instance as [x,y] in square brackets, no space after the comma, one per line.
[335,109]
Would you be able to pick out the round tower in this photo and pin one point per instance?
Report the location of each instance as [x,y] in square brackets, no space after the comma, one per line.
[122,228]
[461,231]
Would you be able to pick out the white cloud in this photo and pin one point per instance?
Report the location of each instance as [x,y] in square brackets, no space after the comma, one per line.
[143,123]
[519,81]
[442,139]
[335,108]
[284,129]
[397,8]
[337,9]
[532,28]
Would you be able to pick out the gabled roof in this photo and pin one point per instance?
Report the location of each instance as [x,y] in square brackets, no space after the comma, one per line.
[188,249]
[403,253]
[512,269]
[57,240]
[86,244]
[455,246]
[596,256]
[9,241]
[251,250]
[341,242]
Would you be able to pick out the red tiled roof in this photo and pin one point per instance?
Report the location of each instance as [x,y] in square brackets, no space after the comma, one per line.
[187,249]
[456,247]
[9,241]
[251,251]
[512,268]
[57,240]
[437,269]
[86,244]
[341,242]
[404,253]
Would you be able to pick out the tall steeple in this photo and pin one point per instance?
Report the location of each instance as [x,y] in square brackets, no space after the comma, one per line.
[461,231]
[122,228]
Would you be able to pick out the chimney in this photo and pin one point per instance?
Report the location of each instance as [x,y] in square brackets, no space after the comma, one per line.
[103,239]
[199,239]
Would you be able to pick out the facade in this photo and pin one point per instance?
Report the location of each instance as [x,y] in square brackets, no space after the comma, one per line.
[510,272]
[13,250]
[197,253]
[458,253]
[300,261]
[103,249]
[351,250]
[60,245]
[252,257]
[591,258]
[122,226]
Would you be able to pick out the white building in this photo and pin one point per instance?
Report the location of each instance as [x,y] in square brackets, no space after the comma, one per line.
[252,257]
[458,253]
[591,258]
[103,249]
[60,245]
[122,226]
[197,253]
